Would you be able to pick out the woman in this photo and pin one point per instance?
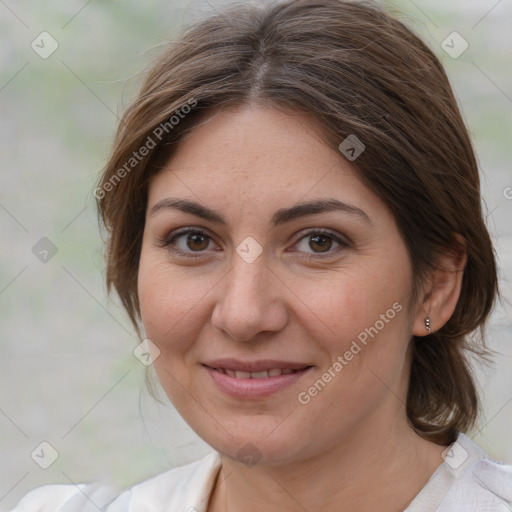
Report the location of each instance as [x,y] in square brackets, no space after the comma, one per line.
[295,230]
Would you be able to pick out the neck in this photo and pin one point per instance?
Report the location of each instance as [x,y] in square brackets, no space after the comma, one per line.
[383,470]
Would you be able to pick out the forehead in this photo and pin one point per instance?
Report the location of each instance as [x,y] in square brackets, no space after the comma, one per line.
[248,164]
[254,147]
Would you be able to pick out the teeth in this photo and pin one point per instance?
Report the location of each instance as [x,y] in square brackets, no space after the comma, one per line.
[259,375]
[274,372]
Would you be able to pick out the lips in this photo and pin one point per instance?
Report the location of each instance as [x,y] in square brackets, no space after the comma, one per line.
[256,380]
[255,369]
[264,374]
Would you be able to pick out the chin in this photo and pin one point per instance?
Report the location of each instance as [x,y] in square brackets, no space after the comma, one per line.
[253,446]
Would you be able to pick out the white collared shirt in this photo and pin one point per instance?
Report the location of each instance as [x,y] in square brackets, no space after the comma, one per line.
[467,481]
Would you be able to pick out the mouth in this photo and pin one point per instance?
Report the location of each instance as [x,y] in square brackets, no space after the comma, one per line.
[254,380]
[264,374]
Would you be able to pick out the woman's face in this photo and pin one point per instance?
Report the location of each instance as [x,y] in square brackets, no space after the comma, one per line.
[237,273]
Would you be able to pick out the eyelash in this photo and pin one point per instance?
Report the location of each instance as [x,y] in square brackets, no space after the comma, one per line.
[169,242]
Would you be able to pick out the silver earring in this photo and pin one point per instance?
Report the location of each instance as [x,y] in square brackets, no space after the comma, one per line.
[427,325]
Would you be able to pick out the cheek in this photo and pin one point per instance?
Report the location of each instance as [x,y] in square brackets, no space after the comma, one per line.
[172,303]
[164,300]
[341,307]
[169,305]
[364,338]
[363,318]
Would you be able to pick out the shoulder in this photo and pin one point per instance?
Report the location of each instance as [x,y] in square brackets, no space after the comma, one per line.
[64,498]
[185,485]
[480,483]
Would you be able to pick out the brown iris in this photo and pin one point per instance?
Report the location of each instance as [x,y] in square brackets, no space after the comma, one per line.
[324,242]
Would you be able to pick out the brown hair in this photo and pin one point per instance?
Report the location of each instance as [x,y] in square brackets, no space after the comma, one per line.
[356,70]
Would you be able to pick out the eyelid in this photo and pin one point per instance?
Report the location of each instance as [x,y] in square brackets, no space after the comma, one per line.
[324,231]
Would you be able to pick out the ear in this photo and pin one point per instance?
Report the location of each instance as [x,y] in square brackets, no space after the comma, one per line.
[441,290]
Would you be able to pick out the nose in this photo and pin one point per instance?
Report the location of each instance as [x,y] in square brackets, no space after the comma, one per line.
[251,300]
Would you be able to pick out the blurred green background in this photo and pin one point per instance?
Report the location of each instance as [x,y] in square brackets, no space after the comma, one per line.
[67,372]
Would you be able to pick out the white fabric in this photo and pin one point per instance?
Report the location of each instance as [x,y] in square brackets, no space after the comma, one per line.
[467,481]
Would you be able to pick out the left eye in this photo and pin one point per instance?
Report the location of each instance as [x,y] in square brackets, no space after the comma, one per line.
[190,241]
[321,240]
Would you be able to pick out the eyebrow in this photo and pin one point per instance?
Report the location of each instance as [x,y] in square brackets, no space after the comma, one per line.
[280,217]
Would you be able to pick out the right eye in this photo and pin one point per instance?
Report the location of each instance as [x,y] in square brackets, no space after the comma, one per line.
[188,241]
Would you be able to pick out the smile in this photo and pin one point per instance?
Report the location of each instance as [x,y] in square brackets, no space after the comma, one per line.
[274,372]
[259,384]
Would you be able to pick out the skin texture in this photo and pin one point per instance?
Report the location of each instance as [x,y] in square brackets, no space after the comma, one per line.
[350,447]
